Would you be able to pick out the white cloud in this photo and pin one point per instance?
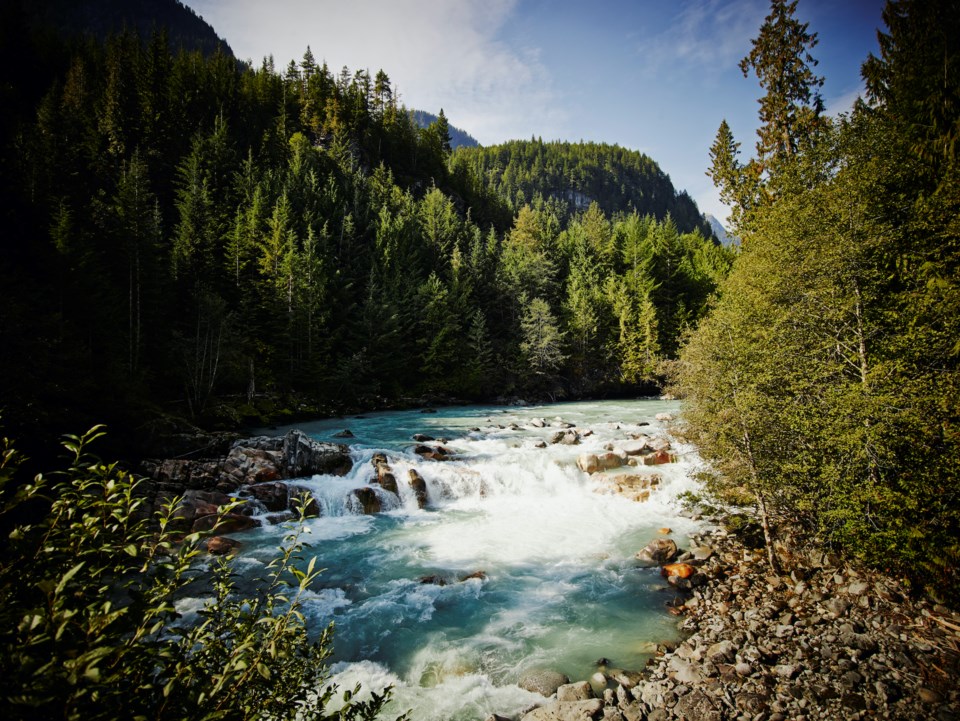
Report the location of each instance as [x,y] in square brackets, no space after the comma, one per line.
[712,35]
[438,54]
[843,103]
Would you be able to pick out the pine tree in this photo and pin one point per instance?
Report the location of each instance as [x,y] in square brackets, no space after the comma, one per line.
[790,110]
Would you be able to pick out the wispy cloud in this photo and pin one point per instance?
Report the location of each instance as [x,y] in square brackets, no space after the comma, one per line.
[843,103]
[712,35]
[438,54]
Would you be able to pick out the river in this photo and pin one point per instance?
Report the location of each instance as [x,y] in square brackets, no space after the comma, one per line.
[558,586]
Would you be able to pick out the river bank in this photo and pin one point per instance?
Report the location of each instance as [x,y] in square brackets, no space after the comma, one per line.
[819,640]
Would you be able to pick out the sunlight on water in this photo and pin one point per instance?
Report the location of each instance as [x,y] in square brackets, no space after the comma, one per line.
[556,585]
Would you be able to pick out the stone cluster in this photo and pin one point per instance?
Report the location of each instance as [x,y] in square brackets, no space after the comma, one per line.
[817,640]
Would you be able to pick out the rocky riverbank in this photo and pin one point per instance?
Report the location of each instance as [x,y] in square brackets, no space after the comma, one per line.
[817,640]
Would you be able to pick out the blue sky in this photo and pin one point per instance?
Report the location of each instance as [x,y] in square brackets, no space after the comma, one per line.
[653,75]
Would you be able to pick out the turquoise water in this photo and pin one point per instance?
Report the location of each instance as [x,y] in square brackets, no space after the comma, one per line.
[560,588]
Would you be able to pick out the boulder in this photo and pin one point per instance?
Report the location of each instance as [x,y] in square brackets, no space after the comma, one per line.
[438,453]
[388,482]
[419,487]
[220,546]
[656,458]
[567,711]
[722,652]
[368,500]
[658,552]
[345,433]
[433,580]
[664,417]
[227,523]
[567,438]
[295,494]
[272,495]
[423,438]
[194,504]
[659,444]
[542,681]
[636,448]
[538,423]
[480,575]
[588,463]
[611,459]
[575,692]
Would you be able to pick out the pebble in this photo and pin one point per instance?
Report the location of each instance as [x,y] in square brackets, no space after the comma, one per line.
[800,646]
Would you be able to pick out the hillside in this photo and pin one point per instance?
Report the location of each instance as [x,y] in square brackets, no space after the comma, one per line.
[100,18]
[458,138]
[616,178]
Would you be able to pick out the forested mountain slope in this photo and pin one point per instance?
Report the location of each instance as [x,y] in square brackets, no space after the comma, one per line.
[190,237]
[101,18]
[577,174]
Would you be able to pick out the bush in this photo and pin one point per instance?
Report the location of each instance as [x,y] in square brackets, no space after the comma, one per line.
[89,627]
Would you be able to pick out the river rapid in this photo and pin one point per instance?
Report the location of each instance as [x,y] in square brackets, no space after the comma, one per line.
[558,586]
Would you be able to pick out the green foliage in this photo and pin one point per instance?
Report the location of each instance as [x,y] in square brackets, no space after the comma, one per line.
[824,380]
[190,233]
[574,175]
[90,626]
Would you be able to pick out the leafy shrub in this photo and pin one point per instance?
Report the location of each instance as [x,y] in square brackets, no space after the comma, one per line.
[88,622]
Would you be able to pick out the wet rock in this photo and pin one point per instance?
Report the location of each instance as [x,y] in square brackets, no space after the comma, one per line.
[657,458]
[298,496]
[580,691]
[627,679]
[220,546]
[388,482]
[568,711]
[658,552]
[275,519]
[611,459]
[542,681]
[433,580]
[664,417]
[423,438]
[476,574]
[635,448]
[367,499]
[345,433]
[588,463]
[273,496]
[227,523]
[567,438]
[419,487]
[538,423]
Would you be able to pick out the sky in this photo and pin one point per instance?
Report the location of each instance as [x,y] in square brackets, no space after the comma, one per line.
[656,76]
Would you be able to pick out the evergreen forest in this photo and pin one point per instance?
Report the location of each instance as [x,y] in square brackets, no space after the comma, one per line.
[824,383]
[189,237]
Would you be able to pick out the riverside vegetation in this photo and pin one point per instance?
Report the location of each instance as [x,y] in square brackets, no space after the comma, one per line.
[186,231]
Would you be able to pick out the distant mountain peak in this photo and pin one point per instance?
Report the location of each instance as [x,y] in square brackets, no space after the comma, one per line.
[723,236]
[458,138]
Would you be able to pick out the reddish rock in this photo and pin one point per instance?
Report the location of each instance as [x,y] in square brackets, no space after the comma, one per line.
[682,570]
[220,546]
[657,458]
